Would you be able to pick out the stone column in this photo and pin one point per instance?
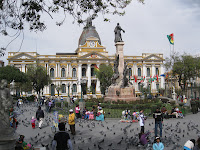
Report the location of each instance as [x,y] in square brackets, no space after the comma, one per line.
[89,76]
[56,71]
[120,52]
[153,83]
[23,68]
[136,75]
[144,70]
[162,81]
[79,79]
[59,70]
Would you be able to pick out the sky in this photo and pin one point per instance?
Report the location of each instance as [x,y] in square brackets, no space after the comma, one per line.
[146,28]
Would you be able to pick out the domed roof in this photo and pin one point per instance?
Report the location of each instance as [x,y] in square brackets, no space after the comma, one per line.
[88,32]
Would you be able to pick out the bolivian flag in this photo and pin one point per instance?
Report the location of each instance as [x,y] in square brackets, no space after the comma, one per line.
[171,38]
[96,68]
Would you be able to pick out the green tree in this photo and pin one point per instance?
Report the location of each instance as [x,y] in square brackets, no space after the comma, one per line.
[104,74]
[11,73]
[38,77]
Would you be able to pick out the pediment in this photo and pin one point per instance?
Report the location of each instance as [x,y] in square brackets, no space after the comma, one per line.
[93,55]
[22,56]
[152,57]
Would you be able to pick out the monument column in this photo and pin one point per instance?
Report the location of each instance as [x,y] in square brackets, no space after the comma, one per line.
[153,75]
[119,51]
[89,76]
[135,74]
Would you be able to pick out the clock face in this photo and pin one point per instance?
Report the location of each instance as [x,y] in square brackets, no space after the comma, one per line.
[92,44]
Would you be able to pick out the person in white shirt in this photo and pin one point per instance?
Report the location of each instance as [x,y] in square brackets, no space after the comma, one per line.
[142,119]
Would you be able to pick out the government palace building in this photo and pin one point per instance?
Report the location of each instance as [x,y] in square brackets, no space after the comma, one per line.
[75,72]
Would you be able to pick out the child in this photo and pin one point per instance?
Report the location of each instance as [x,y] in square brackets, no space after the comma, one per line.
[91,116]
[33,122]
[158,145]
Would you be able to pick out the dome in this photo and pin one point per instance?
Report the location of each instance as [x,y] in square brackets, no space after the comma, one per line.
[88,32]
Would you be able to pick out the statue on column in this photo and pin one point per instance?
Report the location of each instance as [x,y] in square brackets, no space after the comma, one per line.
[6,103]
[118,36]
[88,22]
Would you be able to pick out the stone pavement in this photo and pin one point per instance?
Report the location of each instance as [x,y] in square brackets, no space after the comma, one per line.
[110,134]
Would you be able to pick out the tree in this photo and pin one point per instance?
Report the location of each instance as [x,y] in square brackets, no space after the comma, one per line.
[14,14]
[38,77]
[104,74]
[11,73]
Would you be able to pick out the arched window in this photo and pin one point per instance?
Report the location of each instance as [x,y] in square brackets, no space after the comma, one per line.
[63,88]
[63,72]
[51,72]
[74,72]
[83,72]
[148,72]
[130,72]
[157,71]
[74,88]
[139,72]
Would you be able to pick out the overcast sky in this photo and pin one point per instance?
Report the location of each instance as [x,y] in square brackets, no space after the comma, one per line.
[146,26]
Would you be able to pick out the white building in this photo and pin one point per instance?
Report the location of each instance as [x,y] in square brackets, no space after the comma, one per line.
[69,69]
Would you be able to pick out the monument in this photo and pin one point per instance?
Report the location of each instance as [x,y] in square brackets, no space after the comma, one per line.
[7,138]
[121,88]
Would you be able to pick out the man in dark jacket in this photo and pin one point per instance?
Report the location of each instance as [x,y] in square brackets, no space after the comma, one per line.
[158,121]
[62,139]
[40,116]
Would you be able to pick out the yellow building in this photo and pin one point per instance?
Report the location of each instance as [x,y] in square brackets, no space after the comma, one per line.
[71,70]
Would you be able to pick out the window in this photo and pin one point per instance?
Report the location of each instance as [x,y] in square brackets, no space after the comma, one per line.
[74,72]
[63,72]
[51,72]
[130,72]
[148,72]
[92,72]
[83,72]
[157,71]
[74,88]
[139,72]
[52,90]
[63,87]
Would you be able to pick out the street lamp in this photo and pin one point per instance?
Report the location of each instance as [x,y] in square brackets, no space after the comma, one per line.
[191,81]
[82,81]
[68,88]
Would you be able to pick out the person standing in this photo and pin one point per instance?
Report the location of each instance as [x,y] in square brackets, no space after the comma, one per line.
[62,139]
[77,111]
[158,145]
[158,121]
[71,121]
[142,118]
[40,116]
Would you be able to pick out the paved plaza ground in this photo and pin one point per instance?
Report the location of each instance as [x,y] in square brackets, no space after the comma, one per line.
[110,134]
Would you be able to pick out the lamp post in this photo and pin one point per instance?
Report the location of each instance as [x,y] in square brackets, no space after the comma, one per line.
[68,88]
[191,81]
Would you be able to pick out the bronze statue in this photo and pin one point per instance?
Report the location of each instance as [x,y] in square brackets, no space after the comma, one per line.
[125,79]
[88,22]
[116,71]
[118,36]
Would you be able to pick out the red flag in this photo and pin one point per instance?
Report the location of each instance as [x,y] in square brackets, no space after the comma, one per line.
[135,78]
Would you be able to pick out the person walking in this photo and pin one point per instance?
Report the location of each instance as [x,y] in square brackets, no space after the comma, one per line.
[33,122]
[61,139]
[40,116]
[71,121]
[158,121]
[142,118]
[158,145]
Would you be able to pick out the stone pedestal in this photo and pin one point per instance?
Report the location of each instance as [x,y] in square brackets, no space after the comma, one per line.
[81,106]
[7,139]
[120,52]
[116,93]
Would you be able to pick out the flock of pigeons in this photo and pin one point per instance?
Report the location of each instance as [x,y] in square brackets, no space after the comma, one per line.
[106,135]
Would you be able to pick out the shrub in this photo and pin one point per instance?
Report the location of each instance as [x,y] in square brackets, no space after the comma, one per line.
[31,98]
[58,104]
[181,104]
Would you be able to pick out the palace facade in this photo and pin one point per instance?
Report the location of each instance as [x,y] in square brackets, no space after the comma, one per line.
[71,71]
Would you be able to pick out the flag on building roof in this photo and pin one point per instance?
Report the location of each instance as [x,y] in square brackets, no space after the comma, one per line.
[135,78]
[97,68]
[171,38]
